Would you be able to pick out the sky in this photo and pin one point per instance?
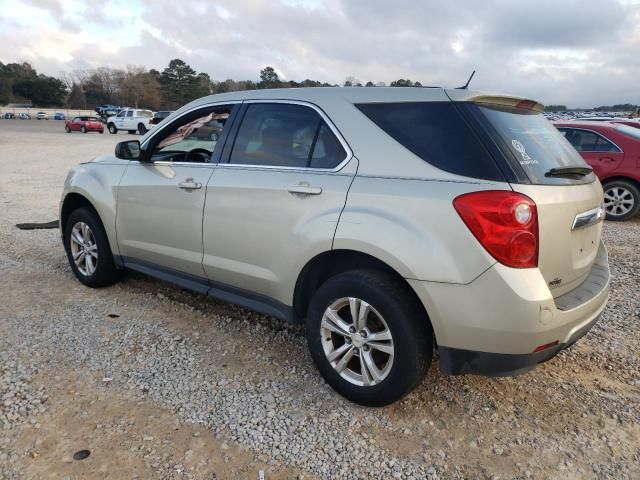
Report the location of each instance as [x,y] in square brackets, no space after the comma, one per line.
[580,53]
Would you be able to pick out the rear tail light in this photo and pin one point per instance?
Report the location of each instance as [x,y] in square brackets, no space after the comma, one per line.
[505,223]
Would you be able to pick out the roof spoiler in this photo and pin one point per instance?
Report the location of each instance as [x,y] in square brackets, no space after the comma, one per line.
[505,101]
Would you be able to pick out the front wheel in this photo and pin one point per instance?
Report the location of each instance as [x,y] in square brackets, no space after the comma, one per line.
[142,129]
[88,249]
[112,128]
[369,337]
[621,200]
[67,129]
[83,129]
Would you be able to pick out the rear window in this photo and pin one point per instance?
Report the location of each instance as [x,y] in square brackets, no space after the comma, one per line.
[532,144]
[629,131]
[437,133]
[144,113]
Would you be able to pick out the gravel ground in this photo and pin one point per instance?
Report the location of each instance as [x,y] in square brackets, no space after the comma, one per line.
[160,382]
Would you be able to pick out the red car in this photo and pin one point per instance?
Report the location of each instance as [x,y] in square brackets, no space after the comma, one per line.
[84,125]
[613,151]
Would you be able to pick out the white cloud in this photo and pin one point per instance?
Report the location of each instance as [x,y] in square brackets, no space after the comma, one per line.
[573,51]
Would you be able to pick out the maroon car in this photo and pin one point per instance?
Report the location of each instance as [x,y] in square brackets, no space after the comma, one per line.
[84,125]
[613,151]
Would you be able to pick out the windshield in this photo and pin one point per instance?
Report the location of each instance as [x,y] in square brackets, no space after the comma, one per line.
[629,131]
[529,139]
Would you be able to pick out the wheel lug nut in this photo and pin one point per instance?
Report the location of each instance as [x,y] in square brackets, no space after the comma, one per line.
[352,329]
[347,339]
[363,334]
[365,348]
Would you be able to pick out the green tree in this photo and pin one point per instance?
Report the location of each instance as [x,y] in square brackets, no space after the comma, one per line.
[179,83]
[42,90]
[268,78]
[402,83]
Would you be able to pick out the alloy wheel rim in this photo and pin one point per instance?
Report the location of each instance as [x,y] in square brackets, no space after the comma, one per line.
[357,341]
[84,249]
[618,201]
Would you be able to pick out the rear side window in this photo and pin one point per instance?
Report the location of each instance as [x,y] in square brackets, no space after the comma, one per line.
[588,141]
[437,133]
[286,135]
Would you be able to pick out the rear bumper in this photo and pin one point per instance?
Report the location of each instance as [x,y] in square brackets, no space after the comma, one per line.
[495,324]
[455,361]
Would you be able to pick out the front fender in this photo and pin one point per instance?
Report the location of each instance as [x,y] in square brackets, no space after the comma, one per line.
[98,183]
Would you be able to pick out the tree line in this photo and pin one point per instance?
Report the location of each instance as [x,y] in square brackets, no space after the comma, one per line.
[138,86]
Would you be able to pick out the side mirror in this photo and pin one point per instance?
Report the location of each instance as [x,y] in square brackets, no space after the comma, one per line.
[128,150]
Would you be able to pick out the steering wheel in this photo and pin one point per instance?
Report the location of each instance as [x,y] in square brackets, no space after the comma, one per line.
[202,152]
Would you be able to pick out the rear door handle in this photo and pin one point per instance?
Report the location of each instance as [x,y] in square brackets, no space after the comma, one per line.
[305,190]
[189,184]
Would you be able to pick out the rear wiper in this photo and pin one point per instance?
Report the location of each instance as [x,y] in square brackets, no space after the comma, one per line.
[566,171]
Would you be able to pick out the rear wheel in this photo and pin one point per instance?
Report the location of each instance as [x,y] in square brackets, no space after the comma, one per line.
[621,199]
[369,337]
[88,249]
[142,129]
[67,129]
[83,129]
[112,128]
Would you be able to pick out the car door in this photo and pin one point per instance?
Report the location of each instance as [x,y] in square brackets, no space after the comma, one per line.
[162,196]
[75,124]
[599,152]
[119,120]
[275,199]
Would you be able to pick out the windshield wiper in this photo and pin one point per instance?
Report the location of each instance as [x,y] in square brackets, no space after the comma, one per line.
[567,171]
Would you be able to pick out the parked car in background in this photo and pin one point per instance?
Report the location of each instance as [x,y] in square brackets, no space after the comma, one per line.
[613,151]
[105,107]
[378,217]
[42,116]
[132,120]
[8,116]
[59,116]
[84,124]
[159,116]
[24,116]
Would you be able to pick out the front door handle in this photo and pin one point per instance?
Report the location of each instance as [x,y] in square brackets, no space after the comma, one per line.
[189,184]
[305,190]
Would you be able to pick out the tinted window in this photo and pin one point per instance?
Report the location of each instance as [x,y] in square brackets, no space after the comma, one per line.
[531,142]
[285,135]
[435,132]
[328,152]
[129,113]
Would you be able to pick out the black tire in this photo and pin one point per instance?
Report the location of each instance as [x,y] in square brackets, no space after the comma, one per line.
[406,320]
[632,194]
[112,128]
[131,132]
[67,129]
[142,129]
[105,273]
[83,129]
[100,131]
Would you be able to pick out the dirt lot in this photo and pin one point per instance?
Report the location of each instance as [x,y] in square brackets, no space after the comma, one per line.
[158,382]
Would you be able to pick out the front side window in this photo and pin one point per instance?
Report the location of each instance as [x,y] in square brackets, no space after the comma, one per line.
[121,114]
[193,139]
[286,135]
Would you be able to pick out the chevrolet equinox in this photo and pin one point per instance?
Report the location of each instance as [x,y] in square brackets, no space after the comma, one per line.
[392,222]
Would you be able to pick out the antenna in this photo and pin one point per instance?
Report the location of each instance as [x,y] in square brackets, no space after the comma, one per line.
[464,87]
